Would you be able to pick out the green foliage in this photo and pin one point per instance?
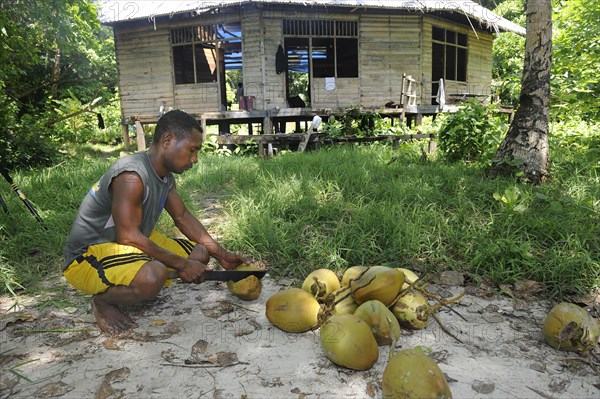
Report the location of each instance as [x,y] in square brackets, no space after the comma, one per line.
[54,56]
[507,55]
[576,55]
[471,134]
[576,46]
[350,205]
[359,123]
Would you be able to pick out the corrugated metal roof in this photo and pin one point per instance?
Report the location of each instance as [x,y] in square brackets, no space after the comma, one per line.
[119,11]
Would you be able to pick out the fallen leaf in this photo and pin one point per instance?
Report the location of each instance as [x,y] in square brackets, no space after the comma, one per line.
[225,359]
[53,389]
[9,318]
[117,375]
[158,323]
[112,343]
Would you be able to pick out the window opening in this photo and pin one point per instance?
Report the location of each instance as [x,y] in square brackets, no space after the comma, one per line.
[319,49]
[209,53]
[449,57]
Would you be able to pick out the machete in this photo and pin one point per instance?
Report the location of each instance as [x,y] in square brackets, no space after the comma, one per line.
[226,275]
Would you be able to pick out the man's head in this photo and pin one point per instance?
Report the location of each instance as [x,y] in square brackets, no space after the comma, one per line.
[177,122]
[177,140]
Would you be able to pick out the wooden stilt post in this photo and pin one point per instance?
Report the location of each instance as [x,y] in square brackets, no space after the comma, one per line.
[125,135]
[141,138]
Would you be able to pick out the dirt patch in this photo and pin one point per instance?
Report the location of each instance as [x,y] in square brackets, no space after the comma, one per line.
[200,341]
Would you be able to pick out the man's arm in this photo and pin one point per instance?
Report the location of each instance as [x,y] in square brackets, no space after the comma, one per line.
[193,229]
[127,192]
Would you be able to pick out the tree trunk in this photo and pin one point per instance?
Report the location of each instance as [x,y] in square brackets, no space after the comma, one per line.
[55,70]
[526,143]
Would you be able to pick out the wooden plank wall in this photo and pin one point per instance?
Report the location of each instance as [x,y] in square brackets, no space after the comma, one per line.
[479,64]
[390,45]
[145,69]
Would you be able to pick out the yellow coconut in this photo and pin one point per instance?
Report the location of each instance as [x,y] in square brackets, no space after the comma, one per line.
[347,341]
[412,310]
[382,321]
[410,374]
[409,277]
[569,327]
[320,283]
[378,282]
[351,273]
[293,310]
[347,305]
[247,289]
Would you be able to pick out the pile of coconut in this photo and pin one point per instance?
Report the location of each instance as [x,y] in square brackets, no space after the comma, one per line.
[367,308]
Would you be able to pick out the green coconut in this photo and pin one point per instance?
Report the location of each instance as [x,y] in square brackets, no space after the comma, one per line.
[410,374]
[382,321]
[320,283]
[379,283]
[412,310]
[352,273]
[293,310]
[347,341]
[347,305]
[409,277]
[569,327]
[247,289]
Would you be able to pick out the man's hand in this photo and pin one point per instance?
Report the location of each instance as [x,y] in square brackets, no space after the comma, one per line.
[192,272]
[230,260]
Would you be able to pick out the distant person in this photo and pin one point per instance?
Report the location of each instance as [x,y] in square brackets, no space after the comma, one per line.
[113,251]
[239,92]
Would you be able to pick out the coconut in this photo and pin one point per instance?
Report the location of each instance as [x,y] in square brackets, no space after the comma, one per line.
[409,277]
[347,341]
[411,374]
[320,283]
[378,282]
[351,273]
[569,327]
[293,310]
[347,305]
[412,310]
[247,289]
[382,321]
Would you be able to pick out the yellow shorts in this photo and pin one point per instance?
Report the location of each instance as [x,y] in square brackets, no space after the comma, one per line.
[108,264]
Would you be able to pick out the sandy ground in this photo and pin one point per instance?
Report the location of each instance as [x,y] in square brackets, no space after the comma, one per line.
[199,341]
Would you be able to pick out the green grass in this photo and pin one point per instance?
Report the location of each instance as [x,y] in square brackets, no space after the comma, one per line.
[351,205]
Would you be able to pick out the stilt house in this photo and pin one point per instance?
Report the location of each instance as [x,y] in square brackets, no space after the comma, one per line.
[227,59]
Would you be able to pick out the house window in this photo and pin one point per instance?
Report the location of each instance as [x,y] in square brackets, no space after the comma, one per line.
[198,50]
[449,57]
[331,47]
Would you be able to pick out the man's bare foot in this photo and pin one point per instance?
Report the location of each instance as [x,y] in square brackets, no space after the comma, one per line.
[111,319]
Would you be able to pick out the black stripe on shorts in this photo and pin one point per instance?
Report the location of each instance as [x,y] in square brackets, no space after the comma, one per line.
[123,259]
[91,259]
[187,245]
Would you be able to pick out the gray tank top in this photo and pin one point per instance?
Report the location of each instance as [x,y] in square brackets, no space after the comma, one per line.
[94,222]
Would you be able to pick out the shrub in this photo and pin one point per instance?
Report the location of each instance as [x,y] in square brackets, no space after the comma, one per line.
[471,134]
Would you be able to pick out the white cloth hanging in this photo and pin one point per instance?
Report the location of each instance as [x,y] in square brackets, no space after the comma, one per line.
[441,95]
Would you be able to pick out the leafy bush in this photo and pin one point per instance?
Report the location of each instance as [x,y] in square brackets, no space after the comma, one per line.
[471,134]
[85,127]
